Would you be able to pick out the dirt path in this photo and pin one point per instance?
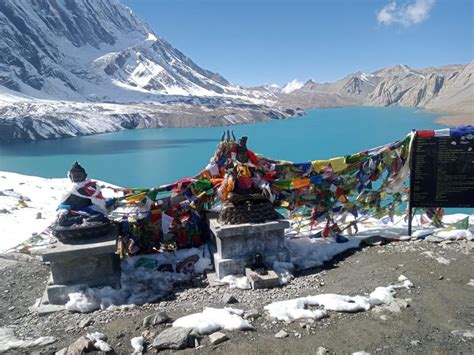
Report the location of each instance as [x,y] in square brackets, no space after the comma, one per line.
[441,303]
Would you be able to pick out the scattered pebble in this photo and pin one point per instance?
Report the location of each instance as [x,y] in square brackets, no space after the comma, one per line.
[281,334]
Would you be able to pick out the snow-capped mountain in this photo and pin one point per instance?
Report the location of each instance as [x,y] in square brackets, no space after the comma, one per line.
[74,67]
[292,86]
[96,50]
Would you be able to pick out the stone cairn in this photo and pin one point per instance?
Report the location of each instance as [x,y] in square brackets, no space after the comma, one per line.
[247,209]
[245,203]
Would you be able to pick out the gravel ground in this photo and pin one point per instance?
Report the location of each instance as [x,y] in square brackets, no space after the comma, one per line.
[441,302]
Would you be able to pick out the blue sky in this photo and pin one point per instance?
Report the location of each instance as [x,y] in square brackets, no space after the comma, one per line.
[251,42]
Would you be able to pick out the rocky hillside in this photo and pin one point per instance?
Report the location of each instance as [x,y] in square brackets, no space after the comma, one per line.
[447,89]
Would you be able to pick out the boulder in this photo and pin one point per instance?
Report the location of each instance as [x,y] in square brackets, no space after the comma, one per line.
[174,338]
[154,319]
[217,338]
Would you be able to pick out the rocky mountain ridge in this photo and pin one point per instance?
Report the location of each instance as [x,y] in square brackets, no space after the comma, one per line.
[448,89]
[77,67]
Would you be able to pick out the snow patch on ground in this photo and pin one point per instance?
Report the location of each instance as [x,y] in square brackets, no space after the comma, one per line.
[137,344]
[298,308]
[41,195]
[99,341]
[236,281]
[309,252]
[8,341]
[214,319]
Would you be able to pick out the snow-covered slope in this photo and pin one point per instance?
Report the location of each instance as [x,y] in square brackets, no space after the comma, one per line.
[78,67]
[93,49]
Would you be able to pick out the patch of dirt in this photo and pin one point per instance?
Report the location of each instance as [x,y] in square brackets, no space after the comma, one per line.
[441,302]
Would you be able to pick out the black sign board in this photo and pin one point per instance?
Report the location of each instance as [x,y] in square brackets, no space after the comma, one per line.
[442,171]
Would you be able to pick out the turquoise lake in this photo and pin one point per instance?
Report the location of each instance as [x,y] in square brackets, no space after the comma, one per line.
[151,157]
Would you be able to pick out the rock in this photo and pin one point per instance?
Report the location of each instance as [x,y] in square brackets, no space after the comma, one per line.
[281,334]
[80,346]
[154,319]
[252,314]
[63,351]
[85,322]
[174,338]
[229,299]
[217,338]
[321,351]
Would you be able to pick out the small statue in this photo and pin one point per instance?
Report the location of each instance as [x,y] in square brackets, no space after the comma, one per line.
[259,266]
[85,196]
[82,207]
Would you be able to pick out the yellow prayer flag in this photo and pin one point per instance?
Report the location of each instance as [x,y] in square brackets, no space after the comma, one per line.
[338,164]
[319,165]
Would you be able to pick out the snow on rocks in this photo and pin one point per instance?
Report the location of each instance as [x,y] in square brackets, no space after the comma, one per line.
[455,234]
[99,341]
[236,281]
[8,341]
[137,345]
[294,309]
[213,319]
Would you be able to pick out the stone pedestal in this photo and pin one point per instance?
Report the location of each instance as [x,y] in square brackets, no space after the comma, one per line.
[78,266]
[236,245]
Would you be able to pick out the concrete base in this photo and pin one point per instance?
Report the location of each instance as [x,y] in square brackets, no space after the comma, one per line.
[236,245]
[269,280]
[42,306]
[236,266]
[75,267]
[59,294]
[213,280]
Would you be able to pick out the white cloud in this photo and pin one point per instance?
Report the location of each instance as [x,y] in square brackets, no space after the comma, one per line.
[407,14]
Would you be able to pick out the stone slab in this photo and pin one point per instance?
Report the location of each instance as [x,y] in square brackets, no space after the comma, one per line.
[257,281]
[60,251]
[59,294]
[214,280]
[228,231]
[263,242]
[43,307]
[85,269]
